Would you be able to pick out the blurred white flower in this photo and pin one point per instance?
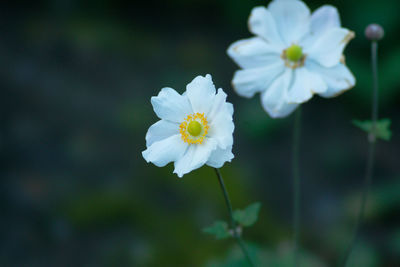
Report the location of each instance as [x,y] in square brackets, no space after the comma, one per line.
[196,128]
[294,55]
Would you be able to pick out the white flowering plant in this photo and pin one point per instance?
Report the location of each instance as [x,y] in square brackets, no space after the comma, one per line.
[194,129]
[294,54]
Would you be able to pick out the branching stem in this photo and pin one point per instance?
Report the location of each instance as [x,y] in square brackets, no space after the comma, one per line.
[236,234]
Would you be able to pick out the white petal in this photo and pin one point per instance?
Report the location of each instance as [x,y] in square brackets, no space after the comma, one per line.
[170,105]
[327,50]
[292,19]
[195,157]
[219,105]
[338,78]
[229,107]
[201,93]
[262,23]
[219,156]
[162,152]
[247,82]
[305,84]
[220,121]
[274,99]
[161,130]
[253,52]
[221,129]
[324,18]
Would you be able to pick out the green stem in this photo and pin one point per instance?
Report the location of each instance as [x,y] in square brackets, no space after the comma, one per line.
[296,185]
[371,155]
[375,96]
[236,235]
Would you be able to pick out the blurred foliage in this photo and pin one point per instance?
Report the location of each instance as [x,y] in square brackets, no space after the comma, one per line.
[364,255]
[281,257]
[245,218]
[219,229]
[381,129]
[248,216]
[381,202]
[76,79]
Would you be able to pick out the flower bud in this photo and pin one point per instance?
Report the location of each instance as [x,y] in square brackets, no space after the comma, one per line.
[374,32]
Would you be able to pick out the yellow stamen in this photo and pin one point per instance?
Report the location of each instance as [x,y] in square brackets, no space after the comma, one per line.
[194,128]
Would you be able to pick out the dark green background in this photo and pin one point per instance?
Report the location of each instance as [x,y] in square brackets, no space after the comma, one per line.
[76,81]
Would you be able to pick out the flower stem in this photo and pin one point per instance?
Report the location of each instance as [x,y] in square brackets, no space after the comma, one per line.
[371,154]
[375,96]
[296,185]
[236,234]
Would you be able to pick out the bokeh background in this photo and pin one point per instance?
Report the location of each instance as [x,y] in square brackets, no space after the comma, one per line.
[76,81]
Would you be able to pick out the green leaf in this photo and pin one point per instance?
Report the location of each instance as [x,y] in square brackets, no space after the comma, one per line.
[382,129]
[219,229]
[248,216]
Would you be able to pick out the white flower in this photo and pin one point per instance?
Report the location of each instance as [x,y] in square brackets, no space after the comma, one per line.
[196,128]
[294,55]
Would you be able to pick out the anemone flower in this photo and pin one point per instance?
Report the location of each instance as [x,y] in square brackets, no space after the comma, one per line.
[294,55]
[196,128]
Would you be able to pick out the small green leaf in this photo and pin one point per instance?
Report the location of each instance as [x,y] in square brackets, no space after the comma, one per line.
[382,130]
[219,229]
[248,216]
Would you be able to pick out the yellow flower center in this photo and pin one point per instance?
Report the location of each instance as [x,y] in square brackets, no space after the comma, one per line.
[194,128]
[294,53]
[293,56]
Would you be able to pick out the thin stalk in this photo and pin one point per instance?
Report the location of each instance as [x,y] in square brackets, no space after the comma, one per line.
[371,155]
[236,235]
[296,185]
[375,95]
